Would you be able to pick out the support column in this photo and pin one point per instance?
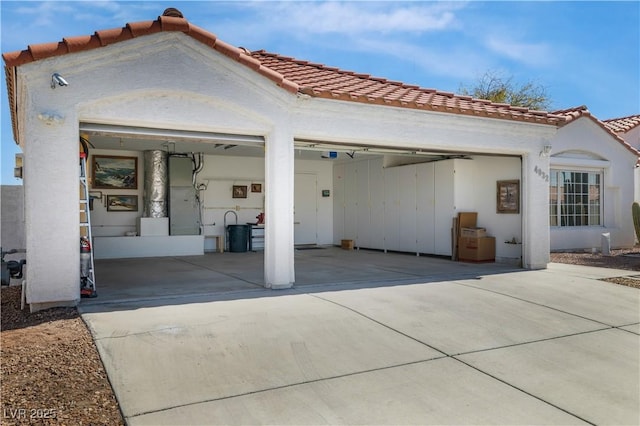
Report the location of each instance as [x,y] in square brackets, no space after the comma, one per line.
[279,270]
[51,197]
[535,209]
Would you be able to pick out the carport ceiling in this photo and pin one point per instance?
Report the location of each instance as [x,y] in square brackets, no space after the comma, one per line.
[142,139]
[348,152]
[127,138]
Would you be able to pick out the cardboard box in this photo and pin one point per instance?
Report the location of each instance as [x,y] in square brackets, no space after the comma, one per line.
[473,232]
[481,249]
[347,244]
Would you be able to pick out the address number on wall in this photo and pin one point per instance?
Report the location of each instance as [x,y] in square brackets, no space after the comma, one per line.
[543,175]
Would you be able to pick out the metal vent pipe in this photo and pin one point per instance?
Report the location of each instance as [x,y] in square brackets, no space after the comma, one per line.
[155,184]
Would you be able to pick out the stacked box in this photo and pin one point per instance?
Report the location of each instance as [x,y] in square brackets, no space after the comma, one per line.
[473,232]
[347,244]
[482,249]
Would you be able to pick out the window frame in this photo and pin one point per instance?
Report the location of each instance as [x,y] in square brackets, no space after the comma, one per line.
[554,174]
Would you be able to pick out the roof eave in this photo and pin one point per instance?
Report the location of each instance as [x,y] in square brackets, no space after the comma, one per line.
[10,78]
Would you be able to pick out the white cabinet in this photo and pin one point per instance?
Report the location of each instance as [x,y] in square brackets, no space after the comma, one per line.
[257,238]
[338,203]
[405,208]
[363,210]
[425,207]
[407,192]
[444,206]
[350,202]
[391,209]
[376,203]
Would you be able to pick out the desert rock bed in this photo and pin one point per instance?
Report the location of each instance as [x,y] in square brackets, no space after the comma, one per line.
[50,369]
[52,375]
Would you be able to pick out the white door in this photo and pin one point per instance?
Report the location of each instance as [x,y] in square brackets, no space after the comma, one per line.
[305,213]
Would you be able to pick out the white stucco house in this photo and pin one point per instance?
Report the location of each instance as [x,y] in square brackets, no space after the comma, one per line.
[386,164]
[591,184]
[628,129]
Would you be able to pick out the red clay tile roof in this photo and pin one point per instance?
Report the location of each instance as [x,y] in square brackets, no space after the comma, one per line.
[137,29]
[624,124]
[320,81]
[293,75]
[572,114]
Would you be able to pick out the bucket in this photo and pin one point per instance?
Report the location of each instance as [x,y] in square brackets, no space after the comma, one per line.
[238,237]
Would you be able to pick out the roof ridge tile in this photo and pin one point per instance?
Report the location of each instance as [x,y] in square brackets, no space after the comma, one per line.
[173,23]
[144,28]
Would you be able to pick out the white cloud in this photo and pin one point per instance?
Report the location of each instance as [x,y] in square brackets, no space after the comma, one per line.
[49,21]
[353,18]
[452,62]
[536,54]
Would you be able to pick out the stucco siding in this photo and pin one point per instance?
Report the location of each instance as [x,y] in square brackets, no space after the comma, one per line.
[170,81]
[584,146]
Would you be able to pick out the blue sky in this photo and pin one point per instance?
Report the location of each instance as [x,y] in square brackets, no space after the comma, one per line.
[584,53]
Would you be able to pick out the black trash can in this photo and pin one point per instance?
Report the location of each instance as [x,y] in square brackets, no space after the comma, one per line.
[238,236]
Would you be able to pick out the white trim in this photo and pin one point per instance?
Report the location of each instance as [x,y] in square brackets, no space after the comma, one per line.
[599,171]
[169,134]
[580,163]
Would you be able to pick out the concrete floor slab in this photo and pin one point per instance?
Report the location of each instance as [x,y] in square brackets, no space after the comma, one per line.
[473,319]
[581,295]
[120,280]
[198,339]
[442,391]
[587,271]
[593,375]
[634,328]
[127,279]
[184,354]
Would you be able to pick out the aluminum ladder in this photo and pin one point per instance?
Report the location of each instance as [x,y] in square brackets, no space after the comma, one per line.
[88,283]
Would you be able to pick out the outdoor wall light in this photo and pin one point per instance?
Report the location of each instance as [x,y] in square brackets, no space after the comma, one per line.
[58,80]
[546,150]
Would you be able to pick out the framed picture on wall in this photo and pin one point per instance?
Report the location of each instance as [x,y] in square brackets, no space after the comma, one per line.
[239,191]
[256,187]
[508,196]
[114,172]
[122,203]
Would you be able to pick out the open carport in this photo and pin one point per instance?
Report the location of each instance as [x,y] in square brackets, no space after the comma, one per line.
[168,87]
[217,273]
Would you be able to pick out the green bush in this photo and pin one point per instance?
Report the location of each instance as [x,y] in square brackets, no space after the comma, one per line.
[635,209]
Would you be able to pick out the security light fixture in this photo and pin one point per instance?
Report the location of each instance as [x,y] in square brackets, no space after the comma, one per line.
[546,150]
[58,80]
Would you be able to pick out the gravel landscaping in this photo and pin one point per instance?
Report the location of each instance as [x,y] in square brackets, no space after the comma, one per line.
[52,374]
[50,369]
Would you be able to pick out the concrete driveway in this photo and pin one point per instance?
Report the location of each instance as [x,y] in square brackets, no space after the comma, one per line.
[555,346]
